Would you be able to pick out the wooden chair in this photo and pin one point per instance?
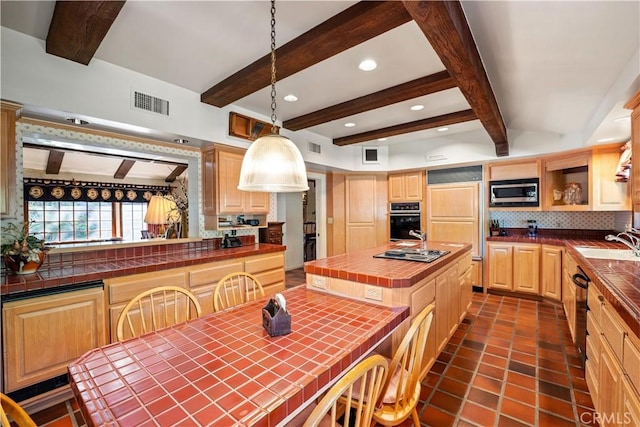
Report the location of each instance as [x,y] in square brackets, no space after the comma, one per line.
[9,408]
[402,388]
[365,380]
[236,288]
[155,309]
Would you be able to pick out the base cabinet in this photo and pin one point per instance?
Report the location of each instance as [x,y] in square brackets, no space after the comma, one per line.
[551,272]
[42,335]
[514,266]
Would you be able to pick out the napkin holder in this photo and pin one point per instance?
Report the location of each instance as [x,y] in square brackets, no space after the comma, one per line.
[275,320]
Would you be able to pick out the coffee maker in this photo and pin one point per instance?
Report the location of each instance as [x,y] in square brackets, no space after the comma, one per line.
[533,228]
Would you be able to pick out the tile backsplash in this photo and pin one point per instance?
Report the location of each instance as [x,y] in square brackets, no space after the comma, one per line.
[563,220]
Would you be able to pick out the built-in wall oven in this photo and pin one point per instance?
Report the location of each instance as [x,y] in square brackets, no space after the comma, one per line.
[403,217]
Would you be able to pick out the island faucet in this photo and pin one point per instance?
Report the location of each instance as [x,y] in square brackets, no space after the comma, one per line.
[420,235]
[632,241]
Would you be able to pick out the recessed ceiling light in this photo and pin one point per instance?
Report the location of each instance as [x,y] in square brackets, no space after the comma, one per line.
[382,139]
[606,139]
[77,121]
[443,129]
[417,107]
[291,98]
[181,141]
[349,125]
[368,65]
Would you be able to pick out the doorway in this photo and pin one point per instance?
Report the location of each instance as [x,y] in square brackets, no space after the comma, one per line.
[309,217]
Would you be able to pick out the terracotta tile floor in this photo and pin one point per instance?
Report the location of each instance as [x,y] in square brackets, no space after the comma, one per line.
[511,363]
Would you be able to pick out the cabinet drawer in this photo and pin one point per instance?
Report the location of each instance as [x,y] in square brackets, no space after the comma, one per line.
[211,273]
[612,331]
[594,301]
[593,340]
[423,297]
[275,233]
[263,263]
[123,289]
[631,360]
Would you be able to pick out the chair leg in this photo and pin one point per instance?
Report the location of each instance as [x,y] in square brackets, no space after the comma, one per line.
[416,419]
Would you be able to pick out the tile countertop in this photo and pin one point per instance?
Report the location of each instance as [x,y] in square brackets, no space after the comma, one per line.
[362,267]
[69,269]
[618,281]
[224,369]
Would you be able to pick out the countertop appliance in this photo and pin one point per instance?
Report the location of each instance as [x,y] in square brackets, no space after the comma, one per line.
[407,254]
[514,193]
[403,217]
[581,280]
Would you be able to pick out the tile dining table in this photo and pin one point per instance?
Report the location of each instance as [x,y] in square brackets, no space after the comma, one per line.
[224,369]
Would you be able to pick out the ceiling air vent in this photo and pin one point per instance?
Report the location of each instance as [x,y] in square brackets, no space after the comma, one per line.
[314,148]
[145,102]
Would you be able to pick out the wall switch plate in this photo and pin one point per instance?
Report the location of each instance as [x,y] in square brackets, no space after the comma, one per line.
[373,292]
[319,282]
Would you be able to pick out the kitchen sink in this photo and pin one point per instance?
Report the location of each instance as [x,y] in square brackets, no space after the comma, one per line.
[604,253]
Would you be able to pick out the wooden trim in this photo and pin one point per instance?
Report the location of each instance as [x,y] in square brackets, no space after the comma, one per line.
[54,162]
[78,27]
[123,169]
[46,123]
[419,87]
[445,26]
[355,25]
[248,128]
[633,102]
[175,173]
[418,125]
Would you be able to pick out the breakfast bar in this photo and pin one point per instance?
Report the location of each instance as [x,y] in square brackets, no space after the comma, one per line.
[224,368]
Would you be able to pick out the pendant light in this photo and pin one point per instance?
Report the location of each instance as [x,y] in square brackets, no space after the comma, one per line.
[273,163]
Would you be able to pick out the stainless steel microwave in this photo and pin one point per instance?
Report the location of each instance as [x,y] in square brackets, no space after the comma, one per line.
[514,193]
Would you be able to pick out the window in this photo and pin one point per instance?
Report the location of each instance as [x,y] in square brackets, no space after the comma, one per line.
[85,221]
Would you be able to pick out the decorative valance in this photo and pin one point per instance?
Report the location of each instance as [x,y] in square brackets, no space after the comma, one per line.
[38,189]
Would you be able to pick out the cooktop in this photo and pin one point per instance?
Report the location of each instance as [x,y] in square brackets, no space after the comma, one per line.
[406,254]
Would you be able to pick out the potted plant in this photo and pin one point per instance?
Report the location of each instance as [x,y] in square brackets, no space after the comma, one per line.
[23,252]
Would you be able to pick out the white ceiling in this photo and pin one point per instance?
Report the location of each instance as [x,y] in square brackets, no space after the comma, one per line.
[554,65]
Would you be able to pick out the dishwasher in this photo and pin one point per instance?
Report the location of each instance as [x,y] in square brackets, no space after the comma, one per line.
[581,280]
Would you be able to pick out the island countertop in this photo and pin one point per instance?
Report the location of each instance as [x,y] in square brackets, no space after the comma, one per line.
[77,267]
[362,267]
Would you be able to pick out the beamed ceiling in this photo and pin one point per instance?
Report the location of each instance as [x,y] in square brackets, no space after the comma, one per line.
[77,29]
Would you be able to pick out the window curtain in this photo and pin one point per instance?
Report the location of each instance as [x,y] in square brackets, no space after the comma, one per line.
[37,189]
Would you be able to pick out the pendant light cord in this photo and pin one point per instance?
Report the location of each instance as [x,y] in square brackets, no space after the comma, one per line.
[273,67]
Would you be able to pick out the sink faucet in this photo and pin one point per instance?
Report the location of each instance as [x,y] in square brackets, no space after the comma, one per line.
[631,241]
[420,235]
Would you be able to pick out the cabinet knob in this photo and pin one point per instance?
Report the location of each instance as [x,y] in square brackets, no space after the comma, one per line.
[601,298]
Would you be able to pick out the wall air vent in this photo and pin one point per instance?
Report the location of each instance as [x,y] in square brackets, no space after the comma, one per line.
[370,155]
[314,148]
[142,101]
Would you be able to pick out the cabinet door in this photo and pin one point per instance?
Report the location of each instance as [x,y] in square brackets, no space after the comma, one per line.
[610,380]
[257,202]
[630,405]
[8,159]
[43,335]
[635,160]
[526,268]
[551,277]
[500,266]
[230,199]
[465,293]
[608,194]
[413,186]
[396,188]
[209,205]
[360,212]
[442,310]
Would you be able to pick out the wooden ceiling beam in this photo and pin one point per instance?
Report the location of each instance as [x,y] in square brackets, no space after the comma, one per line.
[445,26]
[402,92]
[416,126]
[355,25]
[175,173]
[54,162]
[123,169]
[78,27]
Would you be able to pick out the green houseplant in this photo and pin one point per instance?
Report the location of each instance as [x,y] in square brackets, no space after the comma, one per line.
[23,251]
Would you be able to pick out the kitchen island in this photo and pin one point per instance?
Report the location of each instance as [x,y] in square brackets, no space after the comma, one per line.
[398,282]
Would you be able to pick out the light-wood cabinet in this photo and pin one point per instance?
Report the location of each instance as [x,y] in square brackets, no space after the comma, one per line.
[513,169]
[551,272]
[203,279]
[569,268]
[453,213]
[406,187]
[42,335]
[514,266]
[634,105]
[594,171]
[610,379]
[221,197]
[8,116]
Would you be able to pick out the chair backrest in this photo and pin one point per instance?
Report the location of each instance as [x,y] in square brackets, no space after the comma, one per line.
[155,309]
[365,380]
[402,388]
[10,408]
[236,288]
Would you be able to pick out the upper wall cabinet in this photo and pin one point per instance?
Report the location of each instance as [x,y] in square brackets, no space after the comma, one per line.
[585,181]
[406,187]
[634,104]
[221,197]
[8,158]
[513,170]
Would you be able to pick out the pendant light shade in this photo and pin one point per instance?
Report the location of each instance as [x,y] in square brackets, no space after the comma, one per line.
[273,164]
